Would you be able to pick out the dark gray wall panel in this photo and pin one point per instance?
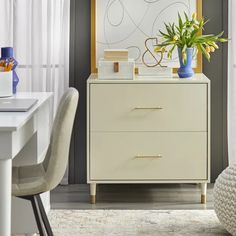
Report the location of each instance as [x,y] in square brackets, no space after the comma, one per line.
[216,70]
[216,10]
[80,70]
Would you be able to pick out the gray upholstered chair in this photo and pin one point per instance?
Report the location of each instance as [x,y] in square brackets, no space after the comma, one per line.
[30,181]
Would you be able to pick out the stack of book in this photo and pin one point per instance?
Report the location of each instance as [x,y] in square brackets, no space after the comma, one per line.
[116,64]
[116,54]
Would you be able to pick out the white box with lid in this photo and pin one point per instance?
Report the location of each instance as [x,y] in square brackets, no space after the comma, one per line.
[116,70]
[6,84]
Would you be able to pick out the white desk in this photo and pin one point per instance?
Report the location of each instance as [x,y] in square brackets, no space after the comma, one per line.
[16,130]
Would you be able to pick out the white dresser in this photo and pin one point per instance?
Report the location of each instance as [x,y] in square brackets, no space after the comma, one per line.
[148,131]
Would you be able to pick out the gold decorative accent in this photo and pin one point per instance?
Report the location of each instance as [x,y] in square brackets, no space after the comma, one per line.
[148,50]
[148,108]
[92,199]
[198,69]
[146,156]
[203,199]
[116,67]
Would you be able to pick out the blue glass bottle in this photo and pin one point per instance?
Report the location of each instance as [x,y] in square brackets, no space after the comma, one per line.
[8,55]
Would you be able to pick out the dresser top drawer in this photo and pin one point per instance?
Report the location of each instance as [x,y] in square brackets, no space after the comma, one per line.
[148,107]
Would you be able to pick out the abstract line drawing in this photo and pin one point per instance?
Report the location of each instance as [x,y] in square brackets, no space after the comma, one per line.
[128,23]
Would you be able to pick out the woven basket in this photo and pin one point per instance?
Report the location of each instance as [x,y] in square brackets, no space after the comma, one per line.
[225,199]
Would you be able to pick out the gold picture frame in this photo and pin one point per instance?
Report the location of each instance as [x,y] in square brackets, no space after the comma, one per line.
[198,69]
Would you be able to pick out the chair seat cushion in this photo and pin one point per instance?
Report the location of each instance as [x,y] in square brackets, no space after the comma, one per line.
[28,180]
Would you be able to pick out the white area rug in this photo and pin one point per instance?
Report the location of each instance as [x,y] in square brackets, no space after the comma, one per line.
[135,223]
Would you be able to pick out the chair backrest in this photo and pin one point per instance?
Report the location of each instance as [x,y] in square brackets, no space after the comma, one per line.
[56,159]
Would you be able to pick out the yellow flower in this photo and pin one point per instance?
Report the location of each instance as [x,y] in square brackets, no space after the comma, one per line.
[212,49]
[208,49]
[163,50]
[175,38]
[215,45]
[158,49]
[194,15]
[195,26]
[208,55]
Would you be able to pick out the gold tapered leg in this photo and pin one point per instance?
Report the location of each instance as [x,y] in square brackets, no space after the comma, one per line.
[92,199]
[203,192]
[203,199]
[93,193]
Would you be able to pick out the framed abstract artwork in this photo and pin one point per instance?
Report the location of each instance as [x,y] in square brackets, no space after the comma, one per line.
[126,24]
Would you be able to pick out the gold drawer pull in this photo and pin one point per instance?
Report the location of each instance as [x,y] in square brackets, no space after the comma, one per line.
[146,156]
[149,108]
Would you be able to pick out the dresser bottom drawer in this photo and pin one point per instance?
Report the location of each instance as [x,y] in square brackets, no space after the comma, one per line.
[148,156]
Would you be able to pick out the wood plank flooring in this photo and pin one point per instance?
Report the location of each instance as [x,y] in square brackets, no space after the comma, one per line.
[136,197]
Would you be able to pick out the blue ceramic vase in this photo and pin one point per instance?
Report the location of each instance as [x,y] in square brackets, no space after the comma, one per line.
[186,70]
[8,55]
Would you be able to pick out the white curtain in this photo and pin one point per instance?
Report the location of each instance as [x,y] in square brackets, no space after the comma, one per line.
[38,30]
[232,84]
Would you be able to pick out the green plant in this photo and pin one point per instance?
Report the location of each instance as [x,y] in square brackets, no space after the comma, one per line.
[187,34]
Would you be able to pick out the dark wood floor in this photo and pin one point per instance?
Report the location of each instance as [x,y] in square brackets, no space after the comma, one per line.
[163,197]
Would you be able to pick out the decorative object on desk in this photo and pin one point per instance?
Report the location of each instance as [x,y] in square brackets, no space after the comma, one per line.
[9,63]
[186,37]
[116,65]
[154,69]
[185,61]
[6,89]
[150,52]
[225,199]
[113,70]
